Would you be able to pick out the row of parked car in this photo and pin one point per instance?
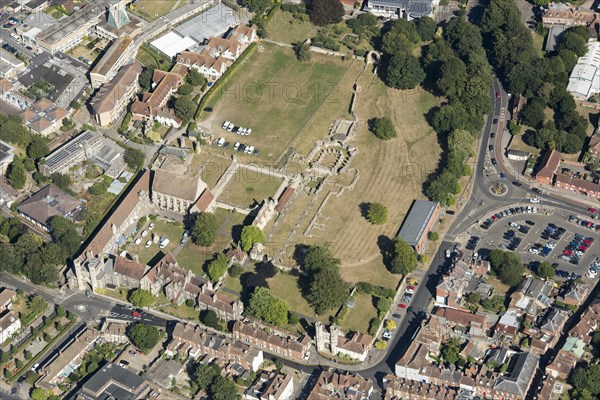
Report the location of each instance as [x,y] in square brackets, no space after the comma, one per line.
[231,127]
[585,223]
[509,211]
[248,149]
[594,268]
[576,249]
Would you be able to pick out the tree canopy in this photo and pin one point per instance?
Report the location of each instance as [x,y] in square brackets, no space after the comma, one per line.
[251,234]
[16,174]
[268,307]
[195,78]
[134,158]
[377,213]
[383,128]
[319,257]
[327,290]
[140,298]
[425,28]
[325,12]
[144,337]
[184,108]
[217,267]
[205,229]
[402,259]
[544,270]
[404,71]
[507,266]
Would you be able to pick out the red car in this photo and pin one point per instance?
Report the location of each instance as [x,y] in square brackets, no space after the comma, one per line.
[587,242]
[592,210]
[401,305]
[568,252]
[494,218]
[136,314]
[583,248]
[497,95]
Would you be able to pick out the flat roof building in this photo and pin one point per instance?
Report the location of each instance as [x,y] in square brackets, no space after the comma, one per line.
[119,53]
[7,154]
[9,64]
[406,9]
[584,81]
[73,152]
[112,382]
[420,219]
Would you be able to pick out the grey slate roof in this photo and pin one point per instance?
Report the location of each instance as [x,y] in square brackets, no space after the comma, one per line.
[522,372]
[414,8]
[112,382]
[416,220]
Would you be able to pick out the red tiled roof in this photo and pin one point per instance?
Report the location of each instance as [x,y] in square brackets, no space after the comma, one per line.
[284,198]
[549,165]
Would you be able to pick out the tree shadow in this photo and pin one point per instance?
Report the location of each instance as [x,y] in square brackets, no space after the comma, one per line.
[364,209]
[299,253]
[257,278]
[236,232]
[385,244]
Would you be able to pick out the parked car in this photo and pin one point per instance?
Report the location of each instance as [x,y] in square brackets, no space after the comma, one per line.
[151,226]
[137,241]
[148,244]
[534,200]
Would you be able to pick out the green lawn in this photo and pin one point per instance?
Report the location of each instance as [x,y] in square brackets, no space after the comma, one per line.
[248,187]
[286,288]
[232,283]
[357,319]
[154,9]
[275,95]
[181,311]
[285,28]
[193,257]
[172,231]
[209,167]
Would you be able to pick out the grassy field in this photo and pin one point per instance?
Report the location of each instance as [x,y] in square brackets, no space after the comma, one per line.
[357,319]
[164,229]
[249,187]
[286,288]
[154,9]
[285,28]
[209,167]
[192,257]
[391,172]
[181,311]
[275,95]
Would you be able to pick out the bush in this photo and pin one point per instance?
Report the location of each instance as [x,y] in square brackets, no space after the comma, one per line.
[235,271]
[190,303]
[383,128]
[185,89]
[377,213]
[374,326]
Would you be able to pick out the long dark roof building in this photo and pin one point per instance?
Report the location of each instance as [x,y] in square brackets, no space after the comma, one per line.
[419,220]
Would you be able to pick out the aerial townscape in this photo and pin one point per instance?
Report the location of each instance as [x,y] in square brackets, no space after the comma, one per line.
[299,199]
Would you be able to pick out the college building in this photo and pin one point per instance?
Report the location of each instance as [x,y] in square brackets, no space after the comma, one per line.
[419,221]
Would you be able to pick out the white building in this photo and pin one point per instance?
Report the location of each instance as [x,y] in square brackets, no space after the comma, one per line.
[9,325]
[584,81]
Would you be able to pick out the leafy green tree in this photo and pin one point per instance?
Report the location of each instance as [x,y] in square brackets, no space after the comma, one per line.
[532,113]
[383,304]
[325,12]
[144,337]
[64,233]
[302,51]
[545,270]
[37,148]
[453,78]
[223,389]
[380,344]
[134,158]
[39,394]
[60,311]
[217,267]
[145,78]
[63,181]
[404,71]
[16,174]
[383,128]
[319,257]
[377,213]
[251,234]
[184,108]
[450,350]
[401,38]
[210,318]
[195,78]
[205,229]
[401,257]
[327,290]
[185,89]
[425,27]
[140,298]
[507,266]
[257,6]
[206,374]
[293,318]
[571,40]
[268,307]
[434,236]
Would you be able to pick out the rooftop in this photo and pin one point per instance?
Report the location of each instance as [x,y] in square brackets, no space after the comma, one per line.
[111,382]
[110,93]
[49,202]
[213,22]
[114,52]
[416,221]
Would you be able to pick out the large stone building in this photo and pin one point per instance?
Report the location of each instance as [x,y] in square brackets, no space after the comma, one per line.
[173,192]
[119,53]
[111,100]
[354,345]
[286,345]
[336,385]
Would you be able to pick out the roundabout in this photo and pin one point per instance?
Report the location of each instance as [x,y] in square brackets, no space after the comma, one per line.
[498,189]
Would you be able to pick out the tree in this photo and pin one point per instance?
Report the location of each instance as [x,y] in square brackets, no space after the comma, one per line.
[434,236]
[16,174]
[425,27]
[327,290]
[293,318]
[268,307]
[302,51]
[380,344]
[144,337]
[507,266]
[383,128]
[545,270]
[205,229]
[325,12]
[194,77]
[206,374]
[223,389]
[402,258]
[210,318]
[39,394]
[390,325]
[377,213]
[453,78]
[251,234]
[450,350]
[145,78]
[401,38]
[140,298]
[60,311]
[532,113]
[404,71]
[217,267]
[134,158]
[37,148]
[184,108]
[571,40]
[383,304]
[257,6]
[63,181]
[318,258]
[64,233]
[185,89]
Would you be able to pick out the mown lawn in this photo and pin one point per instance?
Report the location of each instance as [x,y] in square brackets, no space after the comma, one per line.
[172,231]
[248,187]
[357,319]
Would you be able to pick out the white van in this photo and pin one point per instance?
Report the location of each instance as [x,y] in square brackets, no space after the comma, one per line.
[163,243]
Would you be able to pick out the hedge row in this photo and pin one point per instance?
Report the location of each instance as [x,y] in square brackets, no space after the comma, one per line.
[223,79]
